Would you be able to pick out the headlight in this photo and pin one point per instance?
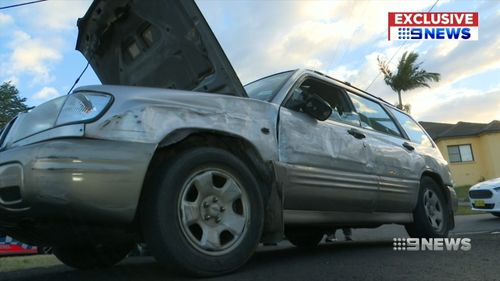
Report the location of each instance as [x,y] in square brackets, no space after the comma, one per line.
[83,107]
[39,119]
[496,188]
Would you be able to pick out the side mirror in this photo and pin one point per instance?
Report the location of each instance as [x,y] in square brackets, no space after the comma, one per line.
[317,108]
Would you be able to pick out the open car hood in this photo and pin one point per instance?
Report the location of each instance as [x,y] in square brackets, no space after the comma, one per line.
[160,43]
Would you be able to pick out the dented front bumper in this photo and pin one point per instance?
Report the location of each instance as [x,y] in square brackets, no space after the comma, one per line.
[72,179]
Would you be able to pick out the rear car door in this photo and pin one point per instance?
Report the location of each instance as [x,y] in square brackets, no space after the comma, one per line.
[326,162]
[393,158]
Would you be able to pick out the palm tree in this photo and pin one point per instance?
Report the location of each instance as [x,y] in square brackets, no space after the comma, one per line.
[409,75]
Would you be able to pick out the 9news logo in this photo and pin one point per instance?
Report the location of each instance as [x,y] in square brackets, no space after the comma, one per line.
[433,26]
[431,244]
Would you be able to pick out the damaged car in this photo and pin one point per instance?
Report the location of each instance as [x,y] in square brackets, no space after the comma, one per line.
[173,151]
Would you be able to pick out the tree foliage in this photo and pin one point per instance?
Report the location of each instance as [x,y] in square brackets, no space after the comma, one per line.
[10,103]
[408,74]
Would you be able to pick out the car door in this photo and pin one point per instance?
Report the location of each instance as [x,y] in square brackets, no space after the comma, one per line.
[326,162]
[393,158]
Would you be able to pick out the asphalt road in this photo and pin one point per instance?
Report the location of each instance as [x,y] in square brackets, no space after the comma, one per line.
[369,257]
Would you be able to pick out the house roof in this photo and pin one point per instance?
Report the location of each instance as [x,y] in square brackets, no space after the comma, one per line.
[461,129]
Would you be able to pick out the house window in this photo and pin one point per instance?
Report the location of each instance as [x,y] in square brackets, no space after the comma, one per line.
[460,153]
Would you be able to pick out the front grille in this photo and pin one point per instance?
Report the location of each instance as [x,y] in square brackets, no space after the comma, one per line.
[486,206]
[480,194]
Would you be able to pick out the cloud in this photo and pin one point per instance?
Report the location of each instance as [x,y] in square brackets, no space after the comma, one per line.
[289,34]
[37,41]
[5,19]
[464,105]
[446,47]
[45,94]
[344,73]
[467,59]
[58,15]
[313,64]
[32,57]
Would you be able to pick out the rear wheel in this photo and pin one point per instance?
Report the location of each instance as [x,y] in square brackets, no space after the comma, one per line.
[432,214]
[304,238]
[204,213]
[496,214]
[85,256]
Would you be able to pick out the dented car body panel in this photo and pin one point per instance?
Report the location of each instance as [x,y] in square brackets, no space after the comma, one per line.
[151,115]
[77,175]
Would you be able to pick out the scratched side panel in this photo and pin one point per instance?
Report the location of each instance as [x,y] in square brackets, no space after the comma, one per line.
[399,171]
[311,188]
[148,115]
[325,168]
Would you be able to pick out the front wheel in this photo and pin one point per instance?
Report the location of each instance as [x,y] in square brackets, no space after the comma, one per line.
[431,218]
[204,213]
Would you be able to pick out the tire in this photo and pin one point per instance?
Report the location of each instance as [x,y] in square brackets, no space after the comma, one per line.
[432,214]
[496,214]
[92,256]
[187,229]
[303,238]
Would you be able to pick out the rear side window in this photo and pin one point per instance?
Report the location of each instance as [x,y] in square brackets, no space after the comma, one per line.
[373,116]
[412,129]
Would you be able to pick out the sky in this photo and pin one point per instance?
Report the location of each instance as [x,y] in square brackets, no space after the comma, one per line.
[340,38]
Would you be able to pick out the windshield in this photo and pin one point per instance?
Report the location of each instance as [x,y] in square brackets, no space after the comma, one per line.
[264,89]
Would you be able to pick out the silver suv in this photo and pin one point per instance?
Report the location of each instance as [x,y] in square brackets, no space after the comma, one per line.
[184,158]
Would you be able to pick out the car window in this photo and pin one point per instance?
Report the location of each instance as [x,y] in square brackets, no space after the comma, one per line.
[265,88]
[333,95]
[373,116]
[412,129]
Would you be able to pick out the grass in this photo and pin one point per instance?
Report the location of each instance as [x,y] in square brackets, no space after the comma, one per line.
[466,210]
[27,262]
[463,196]
[463,193]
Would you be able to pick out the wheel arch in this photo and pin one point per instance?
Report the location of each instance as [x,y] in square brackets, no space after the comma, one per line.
[448,197]
[181,140]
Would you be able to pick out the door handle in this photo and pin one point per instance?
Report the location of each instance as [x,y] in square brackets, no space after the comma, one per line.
[355,133]
[408,146]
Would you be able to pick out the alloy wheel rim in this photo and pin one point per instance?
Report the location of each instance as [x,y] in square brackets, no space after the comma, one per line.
[433,210]
[214,211]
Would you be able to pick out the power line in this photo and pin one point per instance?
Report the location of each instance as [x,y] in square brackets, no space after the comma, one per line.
[22,4]
[397,51]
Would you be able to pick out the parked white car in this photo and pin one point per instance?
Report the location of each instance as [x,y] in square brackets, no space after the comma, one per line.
[485,196]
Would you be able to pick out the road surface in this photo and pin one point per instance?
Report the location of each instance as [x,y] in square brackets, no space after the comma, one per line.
[369,257]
